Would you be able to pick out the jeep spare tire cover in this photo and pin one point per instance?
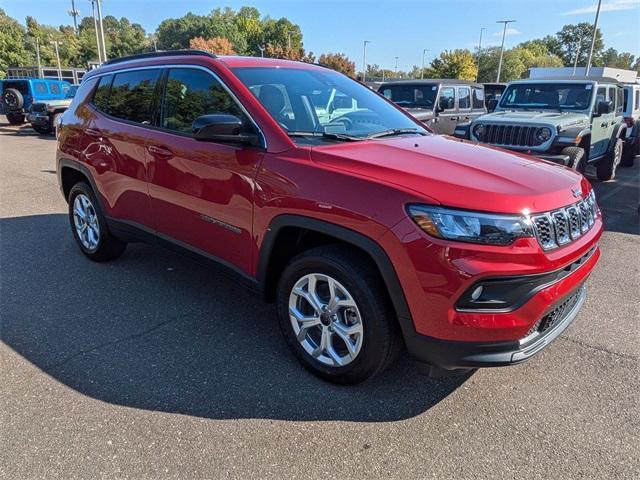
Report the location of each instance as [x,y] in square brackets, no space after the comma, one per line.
[12,98]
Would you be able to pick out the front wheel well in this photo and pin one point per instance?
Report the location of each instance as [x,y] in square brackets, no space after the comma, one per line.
[68,178]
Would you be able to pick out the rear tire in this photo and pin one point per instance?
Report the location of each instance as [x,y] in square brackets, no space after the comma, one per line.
[89,226]
[362,309]
[629,153]
[606,168]
[15,118]
[576,158]
[42,129]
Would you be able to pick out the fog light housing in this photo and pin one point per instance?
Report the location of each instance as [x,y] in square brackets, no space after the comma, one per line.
[477,293]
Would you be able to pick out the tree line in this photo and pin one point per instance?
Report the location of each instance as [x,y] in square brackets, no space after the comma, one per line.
[247,32]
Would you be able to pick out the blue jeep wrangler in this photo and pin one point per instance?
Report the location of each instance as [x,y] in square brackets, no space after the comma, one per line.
[17,95]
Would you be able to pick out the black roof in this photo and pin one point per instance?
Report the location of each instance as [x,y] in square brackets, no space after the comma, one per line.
[167,53]
[431,81]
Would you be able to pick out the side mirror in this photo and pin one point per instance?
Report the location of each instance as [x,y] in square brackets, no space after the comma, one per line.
[445,103]
[492,104]
[604,107]
[222,128]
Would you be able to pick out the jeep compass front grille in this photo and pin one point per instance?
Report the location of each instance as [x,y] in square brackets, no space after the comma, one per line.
[510,135]
[559,227]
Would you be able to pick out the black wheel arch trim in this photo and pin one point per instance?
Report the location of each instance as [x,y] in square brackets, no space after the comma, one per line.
[79,167]
[368,245]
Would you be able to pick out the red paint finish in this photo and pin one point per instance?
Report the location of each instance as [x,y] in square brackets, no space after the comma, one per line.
[221,199]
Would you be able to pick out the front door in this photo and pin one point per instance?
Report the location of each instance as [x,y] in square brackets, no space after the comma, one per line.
[601,124]
[201,192]
[448,115]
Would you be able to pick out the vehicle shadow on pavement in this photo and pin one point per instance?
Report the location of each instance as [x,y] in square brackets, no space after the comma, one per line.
[157,331]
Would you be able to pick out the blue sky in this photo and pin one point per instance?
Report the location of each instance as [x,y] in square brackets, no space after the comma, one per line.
[400,28]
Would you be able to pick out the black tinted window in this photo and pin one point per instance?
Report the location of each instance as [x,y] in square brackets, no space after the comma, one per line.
[101,95]
[190,93]
[464,98]
[131,96]
[477,97]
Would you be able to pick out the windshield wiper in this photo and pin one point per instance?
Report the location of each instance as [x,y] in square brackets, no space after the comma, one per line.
[395,131]
[333,136]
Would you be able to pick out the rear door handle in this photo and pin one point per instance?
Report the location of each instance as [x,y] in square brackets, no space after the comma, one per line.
[604,125]
[160,152]
[453,118]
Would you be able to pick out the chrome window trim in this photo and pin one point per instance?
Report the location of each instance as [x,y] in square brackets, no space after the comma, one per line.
[174,66]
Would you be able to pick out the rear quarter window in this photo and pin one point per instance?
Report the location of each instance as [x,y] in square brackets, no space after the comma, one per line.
[101,94]
[477,97]
[55,88]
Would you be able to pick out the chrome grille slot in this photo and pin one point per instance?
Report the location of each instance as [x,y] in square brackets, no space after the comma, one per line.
[560,227]
[510,135]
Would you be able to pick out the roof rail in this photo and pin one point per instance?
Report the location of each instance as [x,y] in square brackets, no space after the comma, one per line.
[166,53]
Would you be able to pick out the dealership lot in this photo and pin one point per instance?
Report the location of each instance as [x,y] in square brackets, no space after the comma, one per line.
[154,366]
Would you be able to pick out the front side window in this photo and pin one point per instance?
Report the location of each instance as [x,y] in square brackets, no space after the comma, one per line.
[314,102]
[447,98]
[548,96]
[464,98]
[412,96]
[131,96]
[620,100]
[477,98]
[601,96]
[191,93]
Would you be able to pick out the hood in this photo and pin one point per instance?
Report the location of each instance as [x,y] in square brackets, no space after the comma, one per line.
[458,174]
[420,113]
[542,117]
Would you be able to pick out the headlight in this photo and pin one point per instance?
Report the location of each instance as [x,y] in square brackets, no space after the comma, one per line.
[471,227]
[543,134]
[478,131]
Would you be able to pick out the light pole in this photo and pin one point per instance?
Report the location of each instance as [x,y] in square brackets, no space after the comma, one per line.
[104,45]
[289,38]
[396,72]
[575,61]
[504,33]
[479,52]
[262,48]
[364,60]
[593,40]
[56,43]
[38,57]
[75,14]
[424,50]
[95,27]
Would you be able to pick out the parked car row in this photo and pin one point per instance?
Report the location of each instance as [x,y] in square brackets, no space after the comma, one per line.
[367,231]
[39,101]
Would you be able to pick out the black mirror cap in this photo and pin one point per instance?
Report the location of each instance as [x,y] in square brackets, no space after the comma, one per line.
[222,128]
[492,105]
[604,107]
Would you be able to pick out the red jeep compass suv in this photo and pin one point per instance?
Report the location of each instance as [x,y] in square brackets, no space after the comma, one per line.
[367,231]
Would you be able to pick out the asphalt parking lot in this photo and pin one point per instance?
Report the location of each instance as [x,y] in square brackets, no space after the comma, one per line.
[155,367]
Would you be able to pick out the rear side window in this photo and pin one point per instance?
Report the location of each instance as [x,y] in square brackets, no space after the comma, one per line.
[191,93]
[101,95]
[637,103]
[464,98]
[477,95]
[620,100]
[131,95]
[55,88]
[41,88]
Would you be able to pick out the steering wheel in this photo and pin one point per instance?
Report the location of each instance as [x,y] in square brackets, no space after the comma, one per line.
[348,123]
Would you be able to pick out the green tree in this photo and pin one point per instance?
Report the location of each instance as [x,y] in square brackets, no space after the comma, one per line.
[578,37]
[611,58]
[459,64]
[13,41]
[339,62]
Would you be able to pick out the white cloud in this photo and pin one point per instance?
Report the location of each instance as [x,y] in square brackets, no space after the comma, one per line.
[510,31]
[607,6]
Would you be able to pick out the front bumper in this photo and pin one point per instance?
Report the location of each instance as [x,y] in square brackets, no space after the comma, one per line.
[38,118]
[451,355]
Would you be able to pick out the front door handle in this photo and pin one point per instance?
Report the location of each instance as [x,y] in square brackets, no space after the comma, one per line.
[604,125]
[453,119]
[160,152]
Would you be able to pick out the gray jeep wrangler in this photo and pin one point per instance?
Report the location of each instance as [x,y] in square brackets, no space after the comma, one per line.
[574,121]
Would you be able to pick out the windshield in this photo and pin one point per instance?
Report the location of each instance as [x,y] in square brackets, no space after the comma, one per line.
[324,103]
[411,96]
[554,96]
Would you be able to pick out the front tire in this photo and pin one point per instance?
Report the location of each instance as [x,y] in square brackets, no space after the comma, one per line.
[576,158]
[89,226]
[336,316]
[42,129]
[606,168]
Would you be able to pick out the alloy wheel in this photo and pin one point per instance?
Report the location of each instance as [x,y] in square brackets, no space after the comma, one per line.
[86,223]
[326,320]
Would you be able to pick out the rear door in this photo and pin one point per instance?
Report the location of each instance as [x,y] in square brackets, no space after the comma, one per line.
[447,117]
[201,192]
[464,104]
[115,138]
